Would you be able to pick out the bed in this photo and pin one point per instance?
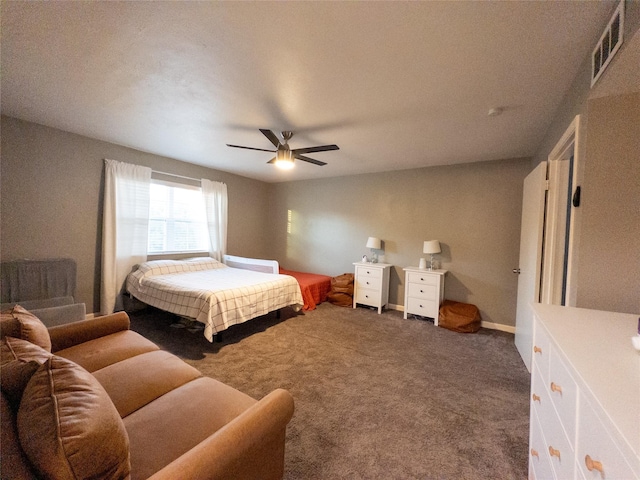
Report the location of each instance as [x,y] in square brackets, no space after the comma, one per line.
[215,294]
[314,287]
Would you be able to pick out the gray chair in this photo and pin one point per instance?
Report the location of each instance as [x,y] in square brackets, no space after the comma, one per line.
[44,287]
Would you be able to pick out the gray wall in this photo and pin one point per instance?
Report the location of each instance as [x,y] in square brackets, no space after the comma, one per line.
[608,250]
[51,187]
[473,210]
[609,266]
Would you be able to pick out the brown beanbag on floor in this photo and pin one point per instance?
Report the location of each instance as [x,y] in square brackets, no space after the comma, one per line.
[341,290]
[459,317]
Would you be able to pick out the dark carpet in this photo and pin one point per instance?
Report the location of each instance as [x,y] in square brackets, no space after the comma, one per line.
[376,396]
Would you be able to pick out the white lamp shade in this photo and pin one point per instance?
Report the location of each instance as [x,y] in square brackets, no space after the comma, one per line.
[373,242]
[431,246]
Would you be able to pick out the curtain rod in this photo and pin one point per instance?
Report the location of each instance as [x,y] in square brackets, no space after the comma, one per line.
[177,176]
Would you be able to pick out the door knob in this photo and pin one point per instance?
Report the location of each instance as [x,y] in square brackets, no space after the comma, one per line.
[516,270]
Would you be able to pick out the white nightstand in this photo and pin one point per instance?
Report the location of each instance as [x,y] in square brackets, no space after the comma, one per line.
[423,292]
[371,284]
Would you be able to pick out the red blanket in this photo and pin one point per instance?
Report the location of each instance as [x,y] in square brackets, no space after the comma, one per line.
[314,287]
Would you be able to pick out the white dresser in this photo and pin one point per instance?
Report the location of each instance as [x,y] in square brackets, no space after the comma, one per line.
[371,284]
[585,395]
[423,292]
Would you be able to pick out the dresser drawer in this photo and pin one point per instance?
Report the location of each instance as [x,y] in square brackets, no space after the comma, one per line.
[557,447]
[366,296]
[595,442]
[422,291]
[541,351]
[362,272]
[564,394]
[423,278]
[540,401]
[539,462]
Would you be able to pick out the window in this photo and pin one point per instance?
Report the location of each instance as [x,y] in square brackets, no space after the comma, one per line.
[177,219]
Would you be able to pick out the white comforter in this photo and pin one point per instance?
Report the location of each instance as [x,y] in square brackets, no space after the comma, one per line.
[212,293]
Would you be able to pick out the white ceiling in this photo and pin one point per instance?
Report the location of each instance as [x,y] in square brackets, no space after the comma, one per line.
[395,84]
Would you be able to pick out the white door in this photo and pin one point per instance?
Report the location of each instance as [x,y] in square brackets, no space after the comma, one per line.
[530,264]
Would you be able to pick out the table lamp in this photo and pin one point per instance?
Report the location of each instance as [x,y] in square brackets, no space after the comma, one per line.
[431,247]
[374,244]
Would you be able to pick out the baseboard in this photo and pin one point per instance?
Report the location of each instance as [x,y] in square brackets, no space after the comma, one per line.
[490,325]
[499,326]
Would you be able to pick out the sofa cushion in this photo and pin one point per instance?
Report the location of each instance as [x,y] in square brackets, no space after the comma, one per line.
[68,426]
[177,421]
[136,381]
[101,352]
[20,323]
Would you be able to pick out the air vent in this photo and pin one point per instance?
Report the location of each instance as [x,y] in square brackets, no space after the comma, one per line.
[608,44]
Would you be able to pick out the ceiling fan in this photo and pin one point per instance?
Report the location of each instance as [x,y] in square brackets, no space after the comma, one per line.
[284,155]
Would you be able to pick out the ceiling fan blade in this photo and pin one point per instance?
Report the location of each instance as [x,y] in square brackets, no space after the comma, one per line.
[273,160]
[249,148]
[271,136]
[310,160]
[321,148]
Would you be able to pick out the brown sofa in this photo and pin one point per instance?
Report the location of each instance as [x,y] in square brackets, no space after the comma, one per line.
[108,403]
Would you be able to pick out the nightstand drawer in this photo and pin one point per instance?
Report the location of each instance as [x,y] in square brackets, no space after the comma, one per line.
[427,292]
[367,296]
[374,283]
[423,278]
[362,272]
[424,308]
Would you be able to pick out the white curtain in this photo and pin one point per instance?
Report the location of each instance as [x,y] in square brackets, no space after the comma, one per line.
[125,228]
[215,203]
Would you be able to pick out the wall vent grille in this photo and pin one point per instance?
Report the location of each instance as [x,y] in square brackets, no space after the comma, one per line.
[608,45]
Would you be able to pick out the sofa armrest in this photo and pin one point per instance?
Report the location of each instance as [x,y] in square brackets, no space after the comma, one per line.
[251,446]
[70,334]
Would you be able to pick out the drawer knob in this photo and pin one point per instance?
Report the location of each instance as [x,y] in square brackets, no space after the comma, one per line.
[593,465]
[536,398]
[367,283]
[537,349]
[422,279]
[534,453]
[556,388]
[553,452]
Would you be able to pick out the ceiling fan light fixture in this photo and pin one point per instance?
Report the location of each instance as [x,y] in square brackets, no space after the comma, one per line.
[284,155]
[284,159]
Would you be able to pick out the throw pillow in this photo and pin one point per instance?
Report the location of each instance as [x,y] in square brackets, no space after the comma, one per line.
[14,378]
[30,327]
[17,349]
[68,426]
